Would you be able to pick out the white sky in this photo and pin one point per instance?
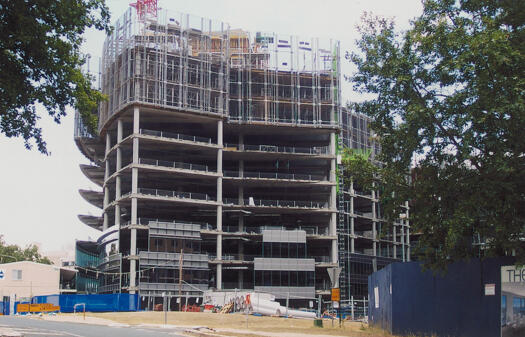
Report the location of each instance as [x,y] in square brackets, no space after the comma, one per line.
[39,199]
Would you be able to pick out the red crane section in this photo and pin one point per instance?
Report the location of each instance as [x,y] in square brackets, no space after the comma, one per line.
[145,7]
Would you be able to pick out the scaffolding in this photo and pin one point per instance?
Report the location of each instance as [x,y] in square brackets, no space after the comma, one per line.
[180,61]
[364,247]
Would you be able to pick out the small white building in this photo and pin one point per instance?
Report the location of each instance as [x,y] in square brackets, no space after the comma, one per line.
[25,279]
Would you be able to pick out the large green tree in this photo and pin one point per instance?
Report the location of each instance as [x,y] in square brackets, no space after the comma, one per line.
[446,98]
[40,62]
[13,253]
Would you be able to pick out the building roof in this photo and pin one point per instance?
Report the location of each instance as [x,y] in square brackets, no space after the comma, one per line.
[54,267]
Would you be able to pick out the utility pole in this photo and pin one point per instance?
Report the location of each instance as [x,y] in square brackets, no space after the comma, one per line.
[181,261]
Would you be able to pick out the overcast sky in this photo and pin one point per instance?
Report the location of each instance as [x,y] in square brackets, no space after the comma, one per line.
[39,199]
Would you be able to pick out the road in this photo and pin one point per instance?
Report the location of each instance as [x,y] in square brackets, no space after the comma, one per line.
[30,327]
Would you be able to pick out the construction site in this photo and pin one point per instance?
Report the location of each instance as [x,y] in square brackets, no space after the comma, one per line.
[218,156]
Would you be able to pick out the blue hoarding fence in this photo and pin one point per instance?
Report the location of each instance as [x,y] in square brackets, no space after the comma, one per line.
[406,299]
[4,308]
[92,302]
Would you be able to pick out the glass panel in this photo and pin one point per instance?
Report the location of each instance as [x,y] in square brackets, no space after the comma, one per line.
[293,279]
[276,278]
[267,278]
[285,278]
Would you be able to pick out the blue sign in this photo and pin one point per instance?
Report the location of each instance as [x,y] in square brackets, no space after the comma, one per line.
[1,274]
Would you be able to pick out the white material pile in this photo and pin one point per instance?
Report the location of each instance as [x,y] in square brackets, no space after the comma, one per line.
[253,302]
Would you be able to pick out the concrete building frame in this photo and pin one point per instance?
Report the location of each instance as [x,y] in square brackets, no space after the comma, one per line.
[217,144]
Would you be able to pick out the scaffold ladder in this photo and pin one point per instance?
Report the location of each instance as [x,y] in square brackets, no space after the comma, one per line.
[342,237]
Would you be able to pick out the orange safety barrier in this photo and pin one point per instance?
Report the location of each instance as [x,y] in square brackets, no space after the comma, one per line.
[41,307]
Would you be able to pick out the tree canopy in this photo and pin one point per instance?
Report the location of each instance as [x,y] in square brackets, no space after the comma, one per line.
[13,253]
[447,105]
[41,63]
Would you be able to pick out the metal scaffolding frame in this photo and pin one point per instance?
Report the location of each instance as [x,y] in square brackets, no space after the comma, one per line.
[180,61]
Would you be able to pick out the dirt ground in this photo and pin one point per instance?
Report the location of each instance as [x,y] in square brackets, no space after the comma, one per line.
[244,325]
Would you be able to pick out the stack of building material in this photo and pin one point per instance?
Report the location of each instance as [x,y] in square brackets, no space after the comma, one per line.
[253,303]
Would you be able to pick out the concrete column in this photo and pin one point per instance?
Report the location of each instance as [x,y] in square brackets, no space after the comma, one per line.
[241,202]
[219,203]
[240,276]
[374,233]
[394,253]
[240,246]
[106,189]
[118,189]
[352,243]
[134,190]
[241,142]
[105,205]
[333,198]
[241,187]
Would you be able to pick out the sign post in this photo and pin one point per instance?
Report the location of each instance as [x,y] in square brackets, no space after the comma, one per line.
[336,294]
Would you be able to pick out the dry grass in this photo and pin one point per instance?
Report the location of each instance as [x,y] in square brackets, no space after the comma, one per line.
[241,325]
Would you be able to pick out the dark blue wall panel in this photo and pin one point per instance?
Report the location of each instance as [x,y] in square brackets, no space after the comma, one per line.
[382,316]
[452,304]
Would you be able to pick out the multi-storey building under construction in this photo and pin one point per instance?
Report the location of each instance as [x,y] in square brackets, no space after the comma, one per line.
[218,149]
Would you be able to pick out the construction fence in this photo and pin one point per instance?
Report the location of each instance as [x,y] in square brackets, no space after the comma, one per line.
[92,302]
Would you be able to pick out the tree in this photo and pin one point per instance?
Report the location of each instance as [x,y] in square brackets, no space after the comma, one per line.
[41,63]
[448,95]
[13,253]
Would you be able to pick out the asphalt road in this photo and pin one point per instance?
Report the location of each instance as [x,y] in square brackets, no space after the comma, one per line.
[30,327]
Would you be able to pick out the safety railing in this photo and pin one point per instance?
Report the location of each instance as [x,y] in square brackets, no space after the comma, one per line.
[234,229]
[175,194]
[321,259]
[149,221]
[279,149]
[274,175]
[175,164]
[276,203]
[365,234]
[108,288]
[312,230]
[234,257]
[364,194]
[177,136]
[364,214]
[284,120]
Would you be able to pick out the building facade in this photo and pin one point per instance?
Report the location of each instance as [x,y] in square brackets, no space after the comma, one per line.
[24,279]
[216,155]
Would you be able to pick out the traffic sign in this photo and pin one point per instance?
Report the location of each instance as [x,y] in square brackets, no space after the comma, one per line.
[2,274]
[336,295]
